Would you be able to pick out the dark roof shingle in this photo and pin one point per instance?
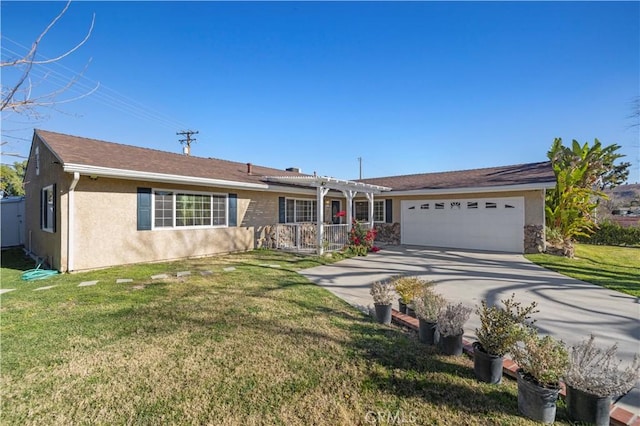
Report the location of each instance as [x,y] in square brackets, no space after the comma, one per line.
[92,152]
[520,174]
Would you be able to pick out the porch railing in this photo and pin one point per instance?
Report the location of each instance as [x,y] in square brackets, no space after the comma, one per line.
[304,236]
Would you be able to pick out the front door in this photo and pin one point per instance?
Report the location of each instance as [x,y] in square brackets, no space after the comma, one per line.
[335,208]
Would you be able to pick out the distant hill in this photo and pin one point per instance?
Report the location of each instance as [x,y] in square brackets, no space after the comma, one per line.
[623,195]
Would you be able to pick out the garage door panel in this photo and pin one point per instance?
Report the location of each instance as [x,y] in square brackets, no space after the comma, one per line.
[483,223]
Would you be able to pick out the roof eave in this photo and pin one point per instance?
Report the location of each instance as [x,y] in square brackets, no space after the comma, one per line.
[476,189]
[158,177]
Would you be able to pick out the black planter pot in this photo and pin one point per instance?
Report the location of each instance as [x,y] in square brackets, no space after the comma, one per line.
[536,402]
[383,313]
[411,312]
[402,306]
[427,332]
[588,408]
[451,345]
[487,367]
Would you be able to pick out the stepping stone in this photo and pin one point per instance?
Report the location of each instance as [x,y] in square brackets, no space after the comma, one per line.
[274,266]
[6,290]
[87,283]
[138,287]
[123,280]
[183,274]
[159,277]
[44,288]
[206,273]
[229,269]
[266,265]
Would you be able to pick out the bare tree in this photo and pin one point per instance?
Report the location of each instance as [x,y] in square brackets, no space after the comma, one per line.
[20,97]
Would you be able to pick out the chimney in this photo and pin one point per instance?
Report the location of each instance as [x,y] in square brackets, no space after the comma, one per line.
[249,168]
[293,169]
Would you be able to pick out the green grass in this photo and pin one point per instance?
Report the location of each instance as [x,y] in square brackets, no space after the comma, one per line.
[258,345]
[616,268]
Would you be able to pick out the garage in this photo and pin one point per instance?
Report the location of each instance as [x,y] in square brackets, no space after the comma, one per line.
[495,224]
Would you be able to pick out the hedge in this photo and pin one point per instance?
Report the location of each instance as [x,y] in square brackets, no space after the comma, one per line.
[612,234]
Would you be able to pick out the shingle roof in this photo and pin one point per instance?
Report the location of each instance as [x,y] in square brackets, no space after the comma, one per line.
[520,174]
[92,152]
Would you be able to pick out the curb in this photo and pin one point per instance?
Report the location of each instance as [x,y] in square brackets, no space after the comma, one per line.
[618,416]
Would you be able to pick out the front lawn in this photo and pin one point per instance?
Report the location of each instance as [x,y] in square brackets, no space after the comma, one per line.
[256,345]
[616,268]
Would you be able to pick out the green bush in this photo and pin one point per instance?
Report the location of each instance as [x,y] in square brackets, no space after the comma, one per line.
[612,234]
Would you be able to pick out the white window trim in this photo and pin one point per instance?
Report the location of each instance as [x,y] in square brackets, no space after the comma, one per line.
[384,209]
[295,209]
[173,226]
[45,207]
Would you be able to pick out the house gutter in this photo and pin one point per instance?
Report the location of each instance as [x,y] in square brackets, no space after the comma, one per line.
[71,221]
[158,177]
[474,190]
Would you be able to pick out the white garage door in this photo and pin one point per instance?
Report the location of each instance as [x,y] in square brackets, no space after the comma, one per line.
[483,223]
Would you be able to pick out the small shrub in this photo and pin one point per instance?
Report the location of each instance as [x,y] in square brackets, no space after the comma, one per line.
[452,318]
[361,239]
[501,328]
[597,371]
[542,359]
[428,304]
[382,293]
[613,234]
[408,288]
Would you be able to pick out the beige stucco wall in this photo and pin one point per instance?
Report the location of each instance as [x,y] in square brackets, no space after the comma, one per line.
[533,202]
[47,245]
[106,225]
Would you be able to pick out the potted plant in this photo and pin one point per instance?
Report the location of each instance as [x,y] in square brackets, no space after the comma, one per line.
[543,361]
[382,293]
[408,289]
[428,305]
[500,329]
[594,378]
[450,325]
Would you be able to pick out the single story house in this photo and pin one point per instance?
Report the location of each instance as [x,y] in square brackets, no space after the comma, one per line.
[93,204]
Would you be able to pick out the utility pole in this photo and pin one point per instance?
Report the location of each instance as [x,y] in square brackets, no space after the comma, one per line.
[360,161]
[187,140]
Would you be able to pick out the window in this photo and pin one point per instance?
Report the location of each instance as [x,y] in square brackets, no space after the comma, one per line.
[188,209]
[455,205]
[37,161]
[424,206]
[163,209]
[509,206]
[472,204]
[362,211]
[489,205]
[48,209]
[301,211]
[439,206]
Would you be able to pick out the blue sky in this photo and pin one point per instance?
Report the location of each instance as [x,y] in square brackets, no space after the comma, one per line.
[410,87]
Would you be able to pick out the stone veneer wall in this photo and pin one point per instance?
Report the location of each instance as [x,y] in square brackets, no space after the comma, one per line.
[534,241]
[388,233]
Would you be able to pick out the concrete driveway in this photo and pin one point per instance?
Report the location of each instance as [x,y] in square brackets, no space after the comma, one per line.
[570,309]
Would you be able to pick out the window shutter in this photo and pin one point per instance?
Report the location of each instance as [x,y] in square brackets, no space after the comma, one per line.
[55,208]
[144,209]
[233,209]
[281,210]
[388,210]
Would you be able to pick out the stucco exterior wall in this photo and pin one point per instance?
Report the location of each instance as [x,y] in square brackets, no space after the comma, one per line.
[106,225]
[44,244]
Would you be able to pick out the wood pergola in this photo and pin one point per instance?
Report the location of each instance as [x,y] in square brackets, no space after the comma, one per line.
[323,185]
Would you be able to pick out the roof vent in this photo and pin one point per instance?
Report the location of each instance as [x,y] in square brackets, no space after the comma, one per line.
[294,169]
[249,168]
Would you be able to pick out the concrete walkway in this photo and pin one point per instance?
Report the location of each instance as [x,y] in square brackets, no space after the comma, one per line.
[570,309]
